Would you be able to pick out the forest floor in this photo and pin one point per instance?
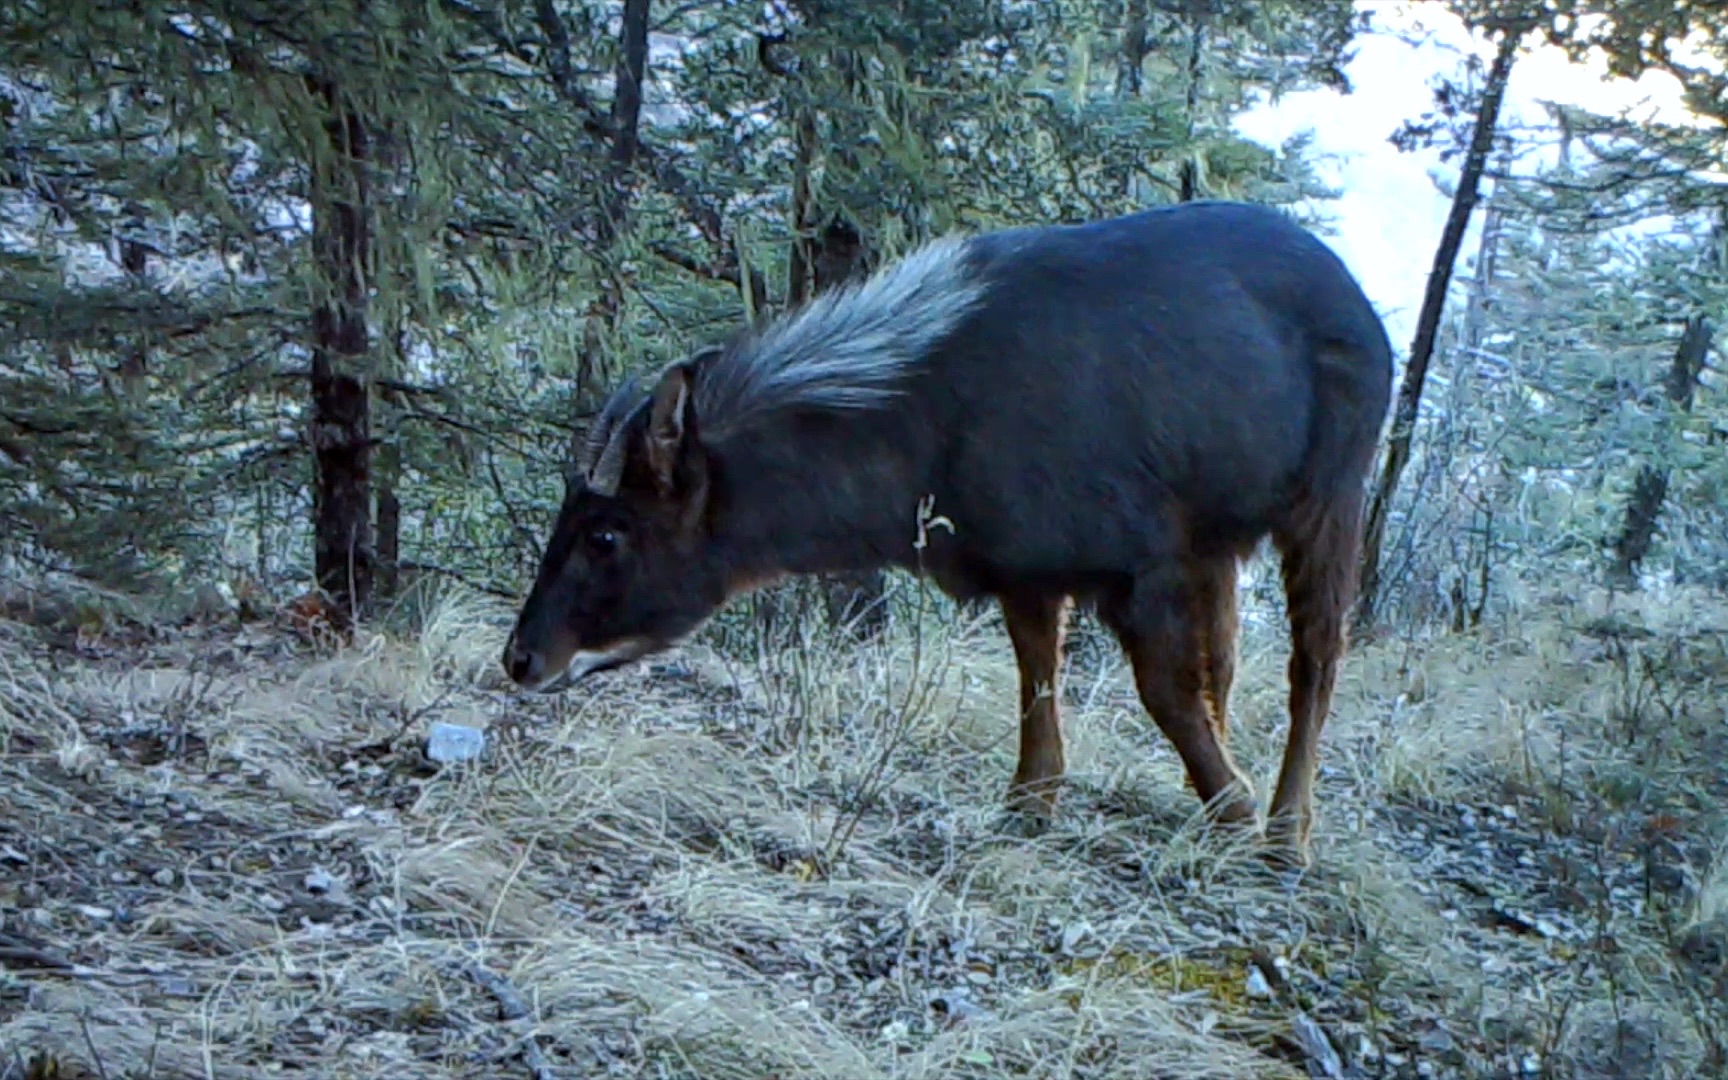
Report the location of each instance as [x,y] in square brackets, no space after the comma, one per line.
[224,854]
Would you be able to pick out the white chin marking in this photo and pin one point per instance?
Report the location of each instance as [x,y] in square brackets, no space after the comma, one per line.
[589,661]
[584,663]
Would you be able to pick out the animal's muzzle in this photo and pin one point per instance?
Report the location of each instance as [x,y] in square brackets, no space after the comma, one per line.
[524,666]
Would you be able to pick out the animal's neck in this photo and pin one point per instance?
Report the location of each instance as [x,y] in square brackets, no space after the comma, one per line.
[817,498]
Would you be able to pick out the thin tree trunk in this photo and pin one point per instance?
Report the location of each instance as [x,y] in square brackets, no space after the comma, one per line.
[1189,179]
[1135,45]
[631,73]
[1130,70]
[625,134]
[341,437]
[1428,324]
[389,583]
[800,271]
[1650,488]
[387,412]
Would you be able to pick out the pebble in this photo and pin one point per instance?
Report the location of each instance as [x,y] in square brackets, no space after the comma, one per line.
[1073,934]
[163,877]
[448,743]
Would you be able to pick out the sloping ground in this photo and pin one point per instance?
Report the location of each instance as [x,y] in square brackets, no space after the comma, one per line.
[223,855]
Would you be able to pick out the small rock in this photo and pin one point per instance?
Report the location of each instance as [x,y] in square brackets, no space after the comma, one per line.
[319,881]
[448,743]
[91,911]
[1436,1041]
[1073,934]
[958,1006]
[163,877]
[1258,987]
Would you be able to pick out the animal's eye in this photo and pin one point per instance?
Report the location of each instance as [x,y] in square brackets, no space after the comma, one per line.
[602,542]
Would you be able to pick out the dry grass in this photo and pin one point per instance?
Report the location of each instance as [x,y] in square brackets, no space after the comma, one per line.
[223,856]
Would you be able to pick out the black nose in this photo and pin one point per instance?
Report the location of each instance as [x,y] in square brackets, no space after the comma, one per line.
[524,666]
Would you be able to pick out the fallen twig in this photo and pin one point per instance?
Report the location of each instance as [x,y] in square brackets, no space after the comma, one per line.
[513,1008]
[90,1041]
[22,953]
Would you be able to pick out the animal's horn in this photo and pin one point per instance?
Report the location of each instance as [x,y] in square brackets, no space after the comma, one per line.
[608,468]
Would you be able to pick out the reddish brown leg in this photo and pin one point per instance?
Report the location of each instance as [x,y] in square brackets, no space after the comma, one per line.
[1319,585]
[1157,626]
[1035,626]
[1215,611]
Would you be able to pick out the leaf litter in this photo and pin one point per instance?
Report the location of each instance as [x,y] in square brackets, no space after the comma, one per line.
[224,854]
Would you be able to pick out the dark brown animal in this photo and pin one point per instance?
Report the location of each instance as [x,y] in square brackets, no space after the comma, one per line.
[1114,413]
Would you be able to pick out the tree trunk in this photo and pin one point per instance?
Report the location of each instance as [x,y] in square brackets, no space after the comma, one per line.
[631,73]
[1650,489]
[625,135]
[1189,180]
[1135,45]
[387,414]
[1428,324]
[341,435]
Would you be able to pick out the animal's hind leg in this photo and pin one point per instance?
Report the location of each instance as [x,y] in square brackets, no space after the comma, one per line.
[1158,622]
[1319,569]
[1035,626]
[1216,613]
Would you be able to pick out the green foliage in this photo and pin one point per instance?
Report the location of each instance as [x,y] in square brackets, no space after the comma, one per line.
[161,278]
[157,277]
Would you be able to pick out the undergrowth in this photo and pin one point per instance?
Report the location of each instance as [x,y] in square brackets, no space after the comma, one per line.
[226,855]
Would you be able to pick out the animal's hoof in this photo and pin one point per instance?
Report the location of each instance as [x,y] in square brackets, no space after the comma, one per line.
[1233,809]
[1237,814]
[1286,848]
[1029,808]
[1021,823]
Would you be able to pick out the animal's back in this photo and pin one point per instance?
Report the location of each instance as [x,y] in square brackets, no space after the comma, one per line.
[1172,376]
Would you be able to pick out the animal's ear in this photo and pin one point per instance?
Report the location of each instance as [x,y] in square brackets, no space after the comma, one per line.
[671,426]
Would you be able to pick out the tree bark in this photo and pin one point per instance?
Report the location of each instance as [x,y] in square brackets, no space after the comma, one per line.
[631,73]
[341,435]
[624,128]
[1189,178]
[1135,45]
[1428,324]
[1650,488]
